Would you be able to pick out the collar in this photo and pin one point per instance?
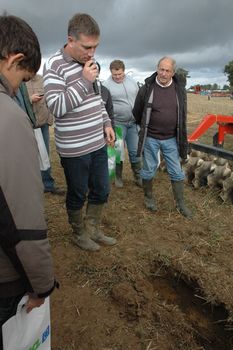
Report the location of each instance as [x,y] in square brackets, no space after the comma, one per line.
[6,85]
[163,86]
[67,57]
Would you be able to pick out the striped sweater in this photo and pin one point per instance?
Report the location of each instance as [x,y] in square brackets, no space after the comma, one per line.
[80,115]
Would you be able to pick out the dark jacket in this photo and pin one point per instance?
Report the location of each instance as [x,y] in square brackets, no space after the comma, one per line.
[142,113]
[107,98]
[25,258]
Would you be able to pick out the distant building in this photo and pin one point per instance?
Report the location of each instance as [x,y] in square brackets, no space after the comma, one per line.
[197,89]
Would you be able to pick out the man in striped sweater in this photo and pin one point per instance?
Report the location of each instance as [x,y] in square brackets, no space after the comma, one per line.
[82,129]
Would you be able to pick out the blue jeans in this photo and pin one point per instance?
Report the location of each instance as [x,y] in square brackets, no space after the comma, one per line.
[170,154]
[47,178]
[86,175]
[8,307]
[130,137]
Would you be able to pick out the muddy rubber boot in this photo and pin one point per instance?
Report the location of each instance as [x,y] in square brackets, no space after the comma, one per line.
[149,199]
[92,224]
[136,167]
[118,179]
[178,192]
[80,238]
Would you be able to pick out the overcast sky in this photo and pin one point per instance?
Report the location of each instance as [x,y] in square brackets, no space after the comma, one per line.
[197,33]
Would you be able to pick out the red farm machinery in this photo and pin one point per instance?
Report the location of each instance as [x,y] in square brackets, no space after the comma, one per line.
[225,126]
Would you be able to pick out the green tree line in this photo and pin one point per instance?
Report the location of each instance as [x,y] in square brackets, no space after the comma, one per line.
[228,70]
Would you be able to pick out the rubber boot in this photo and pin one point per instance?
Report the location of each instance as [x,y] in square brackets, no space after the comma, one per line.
[149,199]
[118,179]
[93,219]
[81,238]
[178,192]
[136,167]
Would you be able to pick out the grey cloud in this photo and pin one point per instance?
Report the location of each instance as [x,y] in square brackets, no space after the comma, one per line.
[198,34]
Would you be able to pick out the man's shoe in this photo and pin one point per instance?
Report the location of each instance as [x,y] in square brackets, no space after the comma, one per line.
[55,190]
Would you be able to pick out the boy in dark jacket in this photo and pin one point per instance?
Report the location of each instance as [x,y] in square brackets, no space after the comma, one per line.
[25,259]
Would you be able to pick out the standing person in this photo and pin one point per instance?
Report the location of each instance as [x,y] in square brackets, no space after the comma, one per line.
[124,90]
[82,129]
[44,119]
[25,259]
[107,98]
[161,111]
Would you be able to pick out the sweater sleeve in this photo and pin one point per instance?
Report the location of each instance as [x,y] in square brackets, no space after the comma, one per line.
[62,99]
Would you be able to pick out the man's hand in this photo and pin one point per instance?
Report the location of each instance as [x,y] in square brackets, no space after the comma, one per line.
[36,98]
[33,302]
[110,135]
[90,71]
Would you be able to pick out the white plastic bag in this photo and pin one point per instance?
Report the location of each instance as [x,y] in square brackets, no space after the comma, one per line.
[119,145]
[43,154]
[111,162]
[28,331]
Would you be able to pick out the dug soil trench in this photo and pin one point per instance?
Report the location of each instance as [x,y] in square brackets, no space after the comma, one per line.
[209,322]
[166,285]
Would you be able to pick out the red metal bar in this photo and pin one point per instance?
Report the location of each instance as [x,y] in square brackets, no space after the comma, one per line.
[207,122]
[224,129]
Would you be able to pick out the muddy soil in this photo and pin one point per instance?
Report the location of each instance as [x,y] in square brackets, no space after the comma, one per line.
[166,285]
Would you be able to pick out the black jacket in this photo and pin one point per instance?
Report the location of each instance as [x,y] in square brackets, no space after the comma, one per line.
[142,113]
[107,98]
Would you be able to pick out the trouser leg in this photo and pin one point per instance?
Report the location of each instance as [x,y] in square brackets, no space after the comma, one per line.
[118,178]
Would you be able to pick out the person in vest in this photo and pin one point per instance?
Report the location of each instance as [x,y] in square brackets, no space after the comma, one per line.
[44,119]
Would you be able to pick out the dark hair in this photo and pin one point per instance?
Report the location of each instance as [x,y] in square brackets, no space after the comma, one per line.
[82,23]
[117,64]
[16,36]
